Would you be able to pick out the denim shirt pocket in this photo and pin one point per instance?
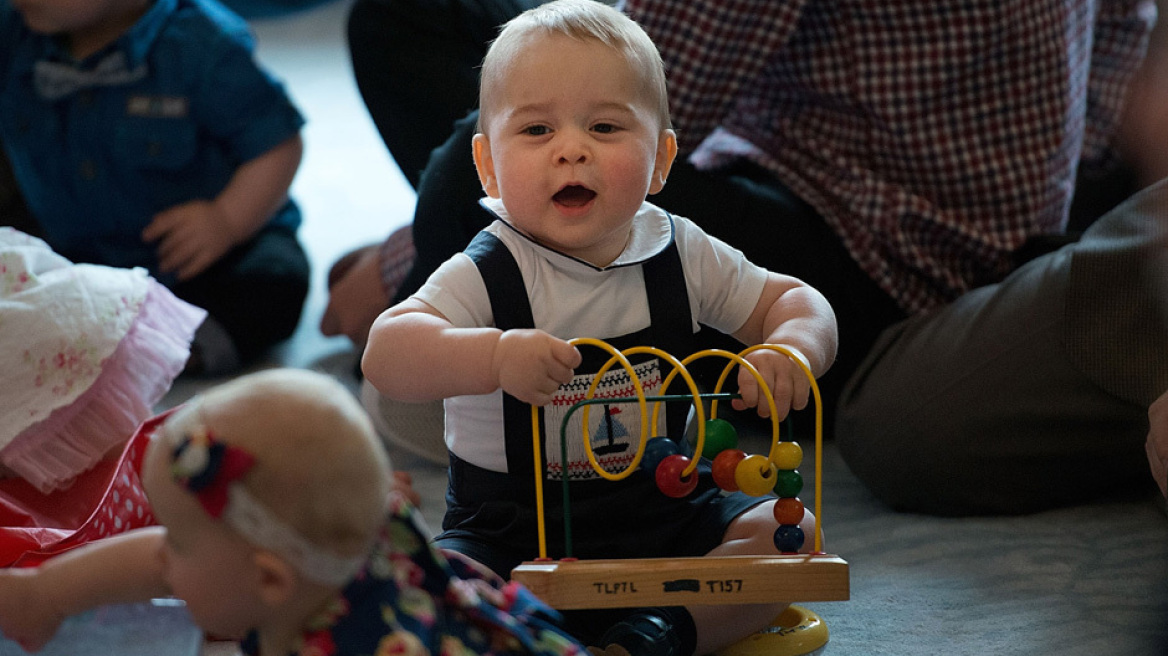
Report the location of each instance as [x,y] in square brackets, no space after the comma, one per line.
[156,143]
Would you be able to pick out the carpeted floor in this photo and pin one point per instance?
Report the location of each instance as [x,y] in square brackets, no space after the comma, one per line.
[1083,581]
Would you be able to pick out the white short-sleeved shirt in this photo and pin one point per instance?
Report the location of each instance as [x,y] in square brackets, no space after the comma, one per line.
[571,298]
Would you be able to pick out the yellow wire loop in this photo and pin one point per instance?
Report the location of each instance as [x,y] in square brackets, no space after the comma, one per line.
[679,369]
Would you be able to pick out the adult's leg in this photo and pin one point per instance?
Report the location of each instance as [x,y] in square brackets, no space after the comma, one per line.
[416,65]
[1024,395]
[751,211]
[255,292]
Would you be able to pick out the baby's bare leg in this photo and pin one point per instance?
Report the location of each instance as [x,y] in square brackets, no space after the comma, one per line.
[750,533]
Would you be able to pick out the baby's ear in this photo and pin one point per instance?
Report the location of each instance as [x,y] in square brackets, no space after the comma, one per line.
[277,579]
[663,161]
[485,165]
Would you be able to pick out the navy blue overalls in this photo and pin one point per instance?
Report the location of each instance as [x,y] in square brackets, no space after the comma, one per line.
[491,515]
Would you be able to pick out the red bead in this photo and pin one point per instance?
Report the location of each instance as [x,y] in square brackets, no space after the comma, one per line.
[789,511]
[669,478]
[724,466]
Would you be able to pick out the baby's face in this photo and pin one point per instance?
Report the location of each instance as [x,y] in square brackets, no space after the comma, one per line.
[204,563]
[573,145]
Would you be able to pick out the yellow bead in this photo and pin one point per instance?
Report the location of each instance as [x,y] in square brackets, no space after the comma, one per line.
[755,475]
[788,455]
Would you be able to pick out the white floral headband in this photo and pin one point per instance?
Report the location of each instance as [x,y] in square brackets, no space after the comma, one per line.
[213,471]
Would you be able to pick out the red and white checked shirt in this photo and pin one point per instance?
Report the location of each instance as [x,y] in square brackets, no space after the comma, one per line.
[934,136]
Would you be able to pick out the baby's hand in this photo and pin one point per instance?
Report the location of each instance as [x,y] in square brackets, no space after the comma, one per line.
[190,237]
[24,619]
[531,364]
[789,385]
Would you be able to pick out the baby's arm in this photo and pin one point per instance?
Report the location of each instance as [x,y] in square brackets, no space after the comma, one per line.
[194,235]
[120,569]
[792,314]
[415,354]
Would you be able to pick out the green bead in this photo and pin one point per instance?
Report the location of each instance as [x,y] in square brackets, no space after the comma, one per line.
[788,483]
[720,435]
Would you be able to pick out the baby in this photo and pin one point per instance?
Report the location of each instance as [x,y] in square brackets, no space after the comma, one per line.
[574,134]
[143,133]
[271,492]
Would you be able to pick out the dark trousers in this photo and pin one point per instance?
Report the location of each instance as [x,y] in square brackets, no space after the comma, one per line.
[256,291]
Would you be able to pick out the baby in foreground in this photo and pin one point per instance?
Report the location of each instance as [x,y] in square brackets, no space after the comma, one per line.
[279,528]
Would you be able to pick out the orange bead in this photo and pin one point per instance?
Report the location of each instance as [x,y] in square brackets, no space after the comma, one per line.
[789,511]
[724,466]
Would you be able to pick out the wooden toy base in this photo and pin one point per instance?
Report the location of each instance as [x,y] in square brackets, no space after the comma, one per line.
[572,584]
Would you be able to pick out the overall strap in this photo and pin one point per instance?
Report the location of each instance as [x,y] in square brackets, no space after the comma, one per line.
[509,303]
[511,309]
[670,318]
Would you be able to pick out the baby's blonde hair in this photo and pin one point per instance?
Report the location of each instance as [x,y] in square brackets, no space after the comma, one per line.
[585,20]
[319,466]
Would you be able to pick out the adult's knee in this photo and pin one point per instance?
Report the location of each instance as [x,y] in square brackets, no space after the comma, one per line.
[905,469]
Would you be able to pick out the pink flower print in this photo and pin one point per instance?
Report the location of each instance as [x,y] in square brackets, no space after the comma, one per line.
[13,280]
[62,370]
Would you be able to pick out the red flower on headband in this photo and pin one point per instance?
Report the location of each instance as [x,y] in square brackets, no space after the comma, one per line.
[207,468]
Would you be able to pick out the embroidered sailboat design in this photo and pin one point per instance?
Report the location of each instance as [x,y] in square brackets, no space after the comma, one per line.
[609,431]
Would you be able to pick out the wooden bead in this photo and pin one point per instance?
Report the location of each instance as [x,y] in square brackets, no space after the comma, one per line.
[656,450]
[788,483]
[788,455]
[755,475]
[724,467]
[788,539]
[669,478]
[720,435]
[789,511]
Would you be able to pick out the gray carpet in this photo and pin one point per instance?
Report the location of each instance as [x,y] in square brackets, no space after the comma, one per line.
[1091,580]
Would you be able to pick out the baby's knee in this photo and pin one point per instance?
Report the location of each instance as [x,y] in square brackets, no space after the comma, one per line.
[767,529]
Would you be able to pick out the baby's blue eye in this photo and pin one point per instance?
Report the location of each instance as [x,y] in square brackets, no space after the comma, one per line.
[604,128]
[536,130]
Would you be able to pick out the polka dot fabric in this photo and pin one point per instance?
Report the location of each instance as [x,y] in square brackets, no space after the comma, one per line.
[105,501]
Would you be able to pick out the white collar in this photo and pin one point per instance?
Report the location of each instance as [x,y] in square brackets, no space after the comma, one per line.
[652,233]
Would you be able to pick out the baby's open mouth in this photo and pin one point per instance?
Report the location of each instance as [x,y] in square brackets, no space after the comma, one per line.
[574,196]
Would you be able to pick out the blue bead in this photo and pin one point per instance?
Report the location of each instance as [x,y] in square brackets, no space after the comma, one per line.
[656,450]
[788,538]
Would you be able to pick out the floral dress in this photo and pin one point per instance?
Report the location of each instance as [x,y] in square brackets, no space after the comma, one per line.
[410,600]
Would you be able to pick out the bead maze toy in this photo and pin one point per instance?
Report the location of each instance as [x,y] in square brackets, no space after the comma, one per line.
[568,583]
